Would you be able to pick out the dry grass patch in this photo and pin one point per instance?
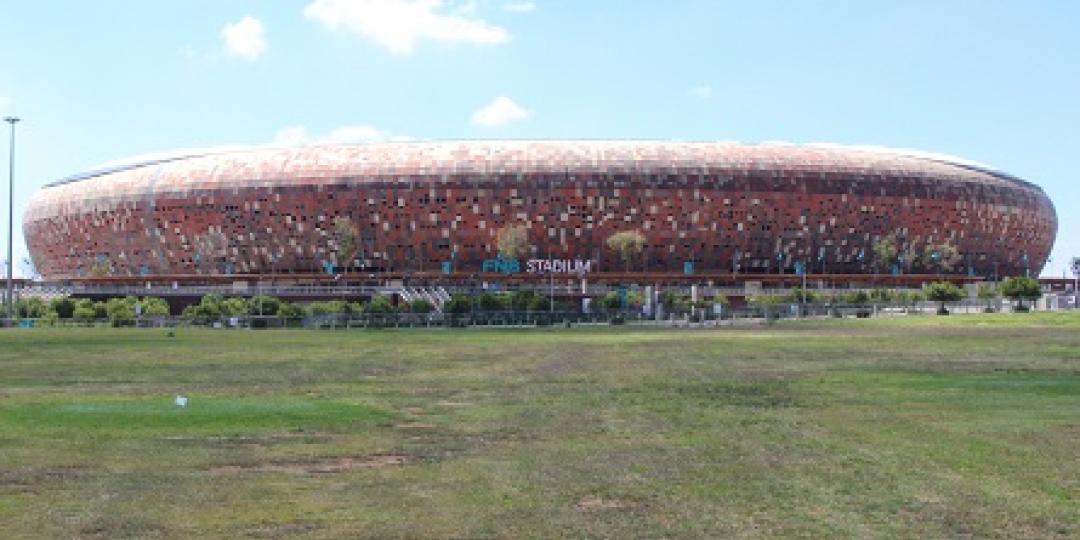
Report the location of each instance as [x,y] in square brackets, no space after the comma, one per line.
[327,465]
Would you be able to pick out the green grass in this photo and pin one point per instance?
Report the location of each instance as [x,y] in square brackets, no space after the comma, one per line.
[960,426]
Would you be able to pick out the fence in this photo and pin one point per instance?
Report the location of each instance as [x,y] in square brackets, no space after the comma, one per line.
[679,317]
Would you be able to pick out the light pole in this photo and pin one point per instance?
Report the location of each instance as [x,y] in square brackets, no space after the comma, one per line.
[11,218]
[1076,281]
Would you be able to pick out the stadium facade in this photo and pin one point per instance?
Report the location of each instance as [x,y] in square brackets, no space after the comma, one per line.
[435,207]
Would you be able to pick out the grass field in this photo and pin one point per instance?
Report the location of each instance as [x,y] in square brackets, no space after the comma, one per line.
[962,426]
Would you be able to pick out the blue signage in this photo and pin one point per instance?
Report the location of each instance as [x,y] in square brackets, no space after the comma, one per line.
[500,265]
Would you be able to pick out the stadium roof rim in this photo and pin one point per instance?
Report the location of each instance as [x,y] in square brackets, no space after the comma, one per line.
[158,158]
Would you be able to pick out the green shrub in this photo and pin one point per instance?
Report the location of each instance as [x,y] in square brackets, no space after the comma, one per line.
[539,303]
[234,307]
[263,305]
[766,299]
[421,305]
[379,304]
[154,307]
[493,302]
[857,298]
[610,301]
[207,310]
[84,313]
[49,318]
[121,311]
[796,296]
[31,308]
[332,307]
[289,311]
[880,294]
[520,299]
[63,306]
[458,303]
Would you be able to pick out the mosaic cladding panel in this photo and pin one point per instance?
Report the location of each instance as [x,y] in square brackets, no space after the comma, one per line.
[416,205]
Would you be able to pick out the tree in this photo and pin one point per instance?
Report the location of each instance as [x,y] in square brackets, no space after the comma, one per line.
[539,303]
[233,307]
[512,241]
[84,312]
[492,302]
[63,306]
[521,298]
[379,304]
[458,303]
[797,294]
[885,250]
[857,298]
[1020,289]
[943,291]
[207,310]
[332,307]
[154,307]
[121,311]
[347,240]
[610,301]
[290,311]
[627,244]
[767,299]
[33,307]
[421,305]
[882,295]
[263,305]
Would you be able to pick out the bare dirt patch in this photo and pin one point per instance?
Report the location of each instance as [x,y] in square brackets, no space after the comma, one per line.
[593,503]
[29,480]
[241,440]
[331,465]
[279,530]
[414,425]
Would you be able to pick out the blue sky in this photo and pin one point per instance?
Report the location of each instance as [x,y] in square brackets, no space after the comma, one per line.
[995,82]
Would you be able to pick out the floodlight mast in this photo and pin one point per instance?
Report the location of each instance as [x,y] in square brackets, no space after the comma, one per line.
[11,218]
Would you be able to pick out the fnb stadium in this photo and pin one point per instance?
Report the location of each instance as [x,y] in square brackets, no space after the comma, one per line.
[435,211]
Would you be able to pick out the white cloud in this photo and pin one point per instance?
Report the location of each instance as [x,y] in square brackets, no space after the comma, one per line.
[299,136]
[398,25]
[245,38]
[466,8]
[520,6]
[502,110]
[701,91]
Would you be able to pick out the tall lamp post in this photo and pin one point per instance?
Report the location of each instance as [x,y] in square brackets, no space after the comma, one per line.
[1076,281]
[11,218]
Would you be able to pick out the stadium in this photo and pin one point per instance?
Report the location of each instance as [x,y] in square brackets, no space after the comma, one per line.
[439,210]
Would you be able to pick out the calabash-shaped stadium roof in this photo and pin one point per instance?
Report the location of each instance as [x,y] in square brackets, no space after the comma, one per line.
[511,156]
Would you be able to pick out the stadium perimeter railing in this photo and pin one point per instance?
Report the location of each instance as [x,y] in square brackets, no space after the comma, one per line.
[520,319]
